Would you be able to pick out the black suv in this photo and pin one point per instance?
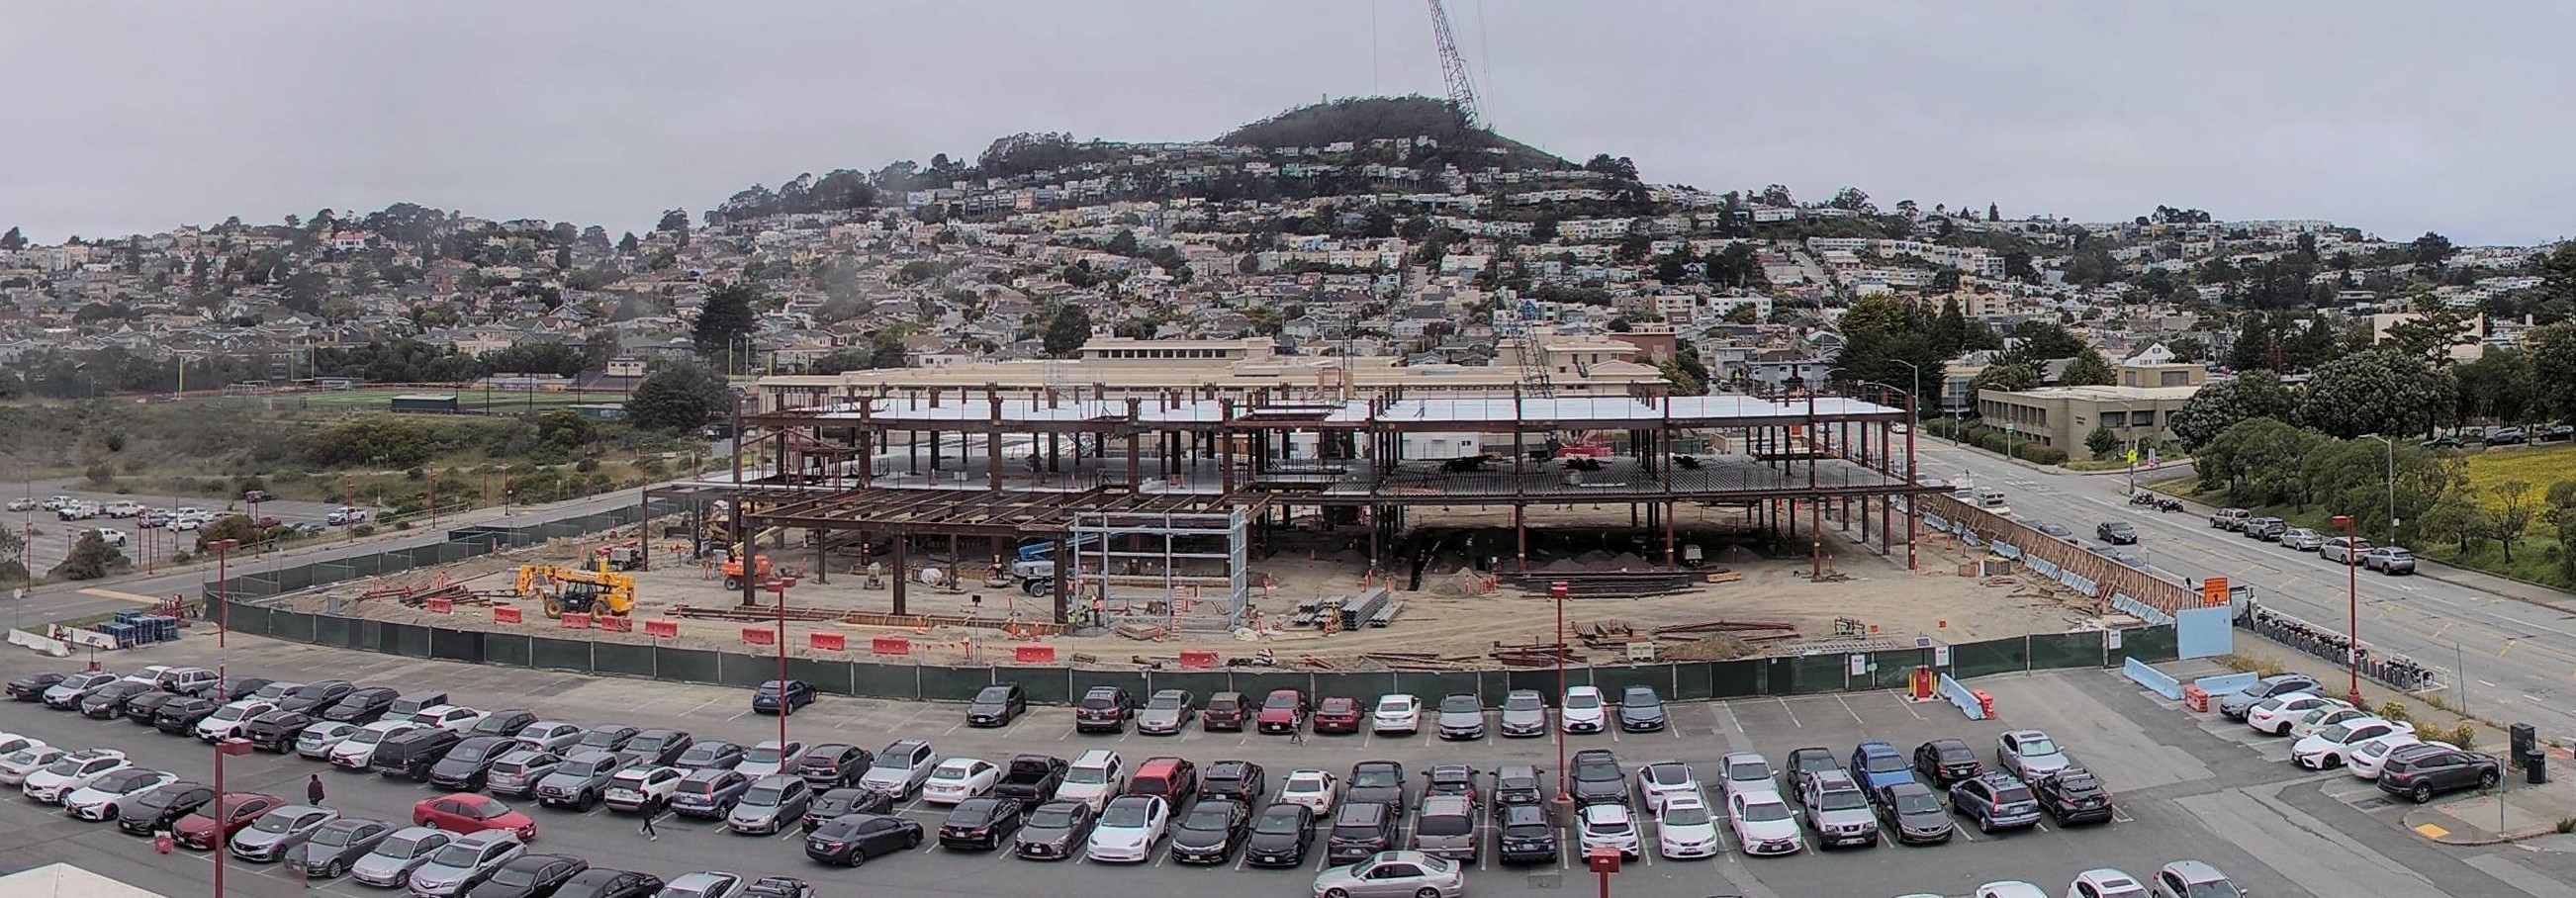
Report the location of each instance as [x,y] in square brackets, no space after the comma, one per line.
[1378,782]
[1360,829]
[1517,784]
[412,755]
[275,731]
[1240,780]
[1104,709]
[1526,837]
[658,747]
[2073,795]
[1596,778]
[179,716]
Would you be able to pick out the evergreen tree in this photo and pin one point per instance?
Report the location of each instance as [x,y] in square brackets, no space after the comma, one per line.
[724,320]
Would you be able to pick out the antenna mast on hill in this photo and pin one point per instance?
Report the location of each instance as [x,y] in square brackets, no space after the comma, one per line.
[1453,69]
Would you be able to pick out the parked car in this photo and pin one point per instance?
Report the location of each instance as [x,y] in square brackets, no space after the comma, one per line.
[997,705]
[461,865]
[71,773]
[467,767]
[330,851]
[580,782]
[2389,560]
[1524,836]
[1360,829]
[161,808]
[1129,829]
[1837,810]
[2118,533]
[2267,529]
[1595,777]
[361,706]
[1242,781]
[1944,761]
[2027,754]
[708,794]
[1337,714]
[771,756]
[198,829]
[314,696]
[505,722]
[2424,771]
[1094,777]
[2346,550]
[278,832]
[901,768]
[1599,826]
[1314,790]
[530,876]
[958,779]
[2233,705]
[770,805]
[1053,830]
[1103,709]
[1282,711]
[1225,711]
[1686,828]
[851,840]
[1744,772]
[1396,714]
[1166,712]
[636,789]
[1461,717]
[1995,801]
[1805,764]
[1641,710]
[17,766]
[1912,813]
[1279,836]
[715,754]
[32,686]
[466,812]
[845,801]
[1582,710]
[1382,782]
[1394,873]
[601,882]
[766,698]
[1763,824]
[2368,758]
[1664,780]
[2230,518]
[516,773]
[2302,539]
[391,862]
[1518,784]
[1524,714]
[108,702]
[1876,763]
[2073,795]
[833,765]
[100,800]
[980,824]
[1211,830]
[358,751]
[2193,879]
[2332,746]
[2278,714]
[413,755]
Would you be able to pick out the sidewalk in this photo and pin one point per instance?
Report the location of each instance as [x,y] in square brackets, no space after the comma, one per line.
[2507,587]
[2513,812]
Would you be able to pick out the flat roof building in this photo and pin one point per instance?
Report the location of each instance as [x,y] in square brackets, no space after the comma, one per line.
[2063,416]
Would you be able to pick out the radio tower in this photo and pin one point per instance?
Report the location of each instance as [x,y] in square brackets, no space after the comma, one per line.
[1453,69]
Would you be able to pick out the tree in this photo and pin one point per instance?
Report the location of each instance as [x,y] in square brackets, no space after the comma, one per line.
[726,319]
[2431,250]
[2377,391]
[2088,369]
[2259,459]
[1124,244]
[2497,386]
[2553,361]
[1067,331]
[2430,334]
[2219,406]
[2516,503]
[2454,519]
[2017,265]
[13,241]
[2562,518]
[1993,213]
[2038,340]
[2008,376]
[2102,441]
[677,397]
[91,558]
[234,527]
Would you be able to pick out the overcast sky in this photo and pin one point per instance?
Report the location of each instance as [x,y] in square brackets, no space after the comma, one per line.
[2394,117]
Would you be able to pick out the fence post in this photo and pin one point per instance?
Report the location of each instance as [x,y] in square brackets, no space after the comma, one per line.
[2025,653]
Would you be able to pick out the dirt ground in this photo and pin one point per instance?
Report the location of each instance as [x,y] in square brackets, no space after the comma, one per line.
[1457,614]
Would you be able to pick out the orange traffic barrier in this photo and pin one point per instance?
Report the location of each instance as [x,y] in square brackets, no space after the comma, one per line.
[890,645]
[830,642]
[759,635]
[576,621]
[615,623]
[504,615]
[661,628]
[1198,659]
[439,606]
[2195,698]
[1985,703]
[1033,654]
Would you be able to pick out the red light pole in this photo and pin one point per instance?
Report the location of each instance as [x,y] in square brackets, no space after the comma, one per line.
[349,500]
[1564,799]
[786,706]
[2352,608]
[223,594]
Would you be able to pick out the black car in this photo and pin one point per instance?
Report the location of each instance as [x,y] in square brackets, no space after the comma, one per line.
[1517,784]
[1103,709]
[997,705]
[658,747]
[415,754]
[468,766]
[842,802]
[314,696]
[2073,795]
[2420,772]
[1242,781]
[1279,836]
[851,840]
[1804,766]
[530,876]
[782,697]
[362,706]
[160,809]
[141,708]
[108,702]
[32,686]
[834,765]
[1596,778]
[980,824]
[1055,830]
[1360,829]
[1640,710]
[1913,813]
[504,722]
[598,882]
[1525,836]
[2117,533]
[179,716]
[608,737]
[1377,782]
[236,690]
[276,731]
[2558,434]
[1946,761]
[1209,833]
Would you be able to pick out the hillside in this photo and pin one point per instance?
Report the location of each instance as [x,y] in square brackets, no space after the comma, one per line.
[1363,119]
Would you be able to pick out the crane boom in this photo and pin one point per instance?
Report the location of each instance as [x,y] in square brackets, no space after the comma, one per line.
[1453,68]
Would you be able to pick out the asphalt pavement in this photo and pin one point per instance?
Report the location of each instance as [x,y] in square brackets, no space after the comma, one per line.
[54,536]
[2509,659]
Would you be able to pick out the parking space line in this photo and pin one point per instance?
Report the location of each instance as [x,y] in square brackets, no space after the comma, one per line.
[1907,704]
[1793,715]
[1847,709]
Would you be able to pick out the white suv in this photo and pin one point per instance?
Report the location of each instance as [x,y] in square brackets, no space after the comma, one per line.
[1094,778]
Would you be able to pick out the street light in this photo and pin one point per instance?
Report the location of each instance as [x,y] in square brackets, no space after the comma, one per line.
[228,746]
[1559,590]
[2392,488]
[2352,607]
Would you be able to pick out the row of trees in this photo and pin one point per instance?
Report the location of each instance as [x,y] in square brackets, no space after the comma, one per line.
[2397,390]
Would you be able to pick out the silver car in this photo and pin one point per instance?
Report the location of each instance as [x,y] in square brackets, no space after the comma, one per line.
[1166,712]
[1445,825]
[1524,713]
[316,742]
[390,863]
[517,773]
[770,804]
[464,863]
[337,845]
[2029,755]
[1837,811]
[2302,539]
[1393,874]
[279,831]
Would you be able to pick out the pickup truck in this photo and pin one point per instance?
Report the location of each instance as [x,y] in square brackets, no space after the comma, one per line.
[1031,780]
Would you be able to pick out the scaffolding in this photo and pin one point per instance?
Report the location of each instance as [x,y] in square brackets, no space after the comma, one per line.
[1158,570]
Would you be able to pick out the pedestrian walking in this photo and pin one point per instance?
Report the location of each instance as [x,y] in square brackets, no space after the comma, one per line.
[313,790]
[1296,734]
[651,810]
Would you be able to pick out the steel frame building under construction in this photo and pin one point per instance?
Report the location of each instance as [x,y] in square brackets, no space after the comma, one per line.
[1219,469]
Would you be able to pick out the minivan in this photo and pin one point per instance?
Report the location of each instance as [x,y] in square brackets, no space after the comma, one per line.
[1445,826]
[1172,779]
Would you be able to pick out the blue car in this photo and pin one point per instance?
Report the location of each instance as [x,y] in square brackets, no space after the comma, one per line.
[773,697]
[1996,801]
[1879,765]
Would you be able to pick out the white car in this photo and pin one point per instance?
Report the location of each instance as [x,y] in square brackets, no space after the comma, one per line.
[958,779]
[2321,718]
[71,772]
[97,801]
[317,741]
[18,765]
[1663,780]
[1583,711]
[2104,882]
[2332,747]
[1609,826]
[771,757]
[1685,828]
[1313,790]
[637,788]
[2275,715]
[2368,759]
[1763,823]
[1747,772]
[10,742]
[549,735]
[1396,714]
[231,721]
[2010,888]
[456,719]
[1128,830]
[359,750]
[21,504]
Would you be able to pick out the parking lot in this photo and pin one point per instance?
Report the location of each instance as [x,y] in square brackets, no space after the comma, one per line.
[2184,790]
[54,536]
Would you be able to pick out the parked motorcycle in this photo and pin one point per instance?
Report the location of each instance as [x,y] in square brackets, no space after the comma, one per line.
[2168,505]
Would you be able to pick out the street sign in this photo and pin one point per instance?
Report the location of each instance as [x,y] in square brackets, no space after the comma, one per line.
[2213,591]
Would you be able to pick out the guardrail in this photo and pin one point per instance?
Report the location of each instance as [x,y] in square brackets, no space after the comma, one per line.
[2136,592]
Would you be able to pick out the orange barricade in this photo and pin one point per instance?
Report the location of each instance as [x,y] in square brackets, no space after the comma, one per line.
[890,645]
[830,642]
[661,628]
[2195,698]
[1198,659]
[576,621]
[502,615]
[1033,654]
[439,606]
[759,635]
[614,622]
[1985,703]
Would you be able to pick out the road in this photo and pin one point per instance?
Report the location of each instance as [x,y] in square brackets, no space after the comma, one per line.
[54,536]
[2186,792]
[2511,660]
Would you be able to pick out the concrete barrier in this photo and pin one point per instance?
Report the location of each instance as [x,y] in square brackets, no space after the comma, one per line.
[2146,675]
[41,643]
[1963,698]
[2226,684]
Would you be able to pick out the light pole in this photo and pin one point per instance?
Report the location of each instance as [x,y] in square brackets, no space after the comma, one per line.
[1918,384]
[2392,488]
[223,595]
[1564,798]
[2352,607]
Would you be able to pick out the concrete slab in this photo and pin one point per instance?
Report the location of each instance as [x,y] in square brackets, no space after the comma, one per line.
[2113,744]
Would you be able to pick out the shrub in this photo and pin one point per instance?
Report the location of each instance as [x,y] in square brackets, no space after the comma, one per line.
[2392,710]
[2465,735]
[101,474]
[364,530]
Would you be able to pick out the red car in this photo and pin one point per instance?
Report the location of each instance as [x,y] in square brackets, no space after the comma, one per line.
[1224,712]
[466,812]
[240,809]
[1337,714]
[1283,712]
